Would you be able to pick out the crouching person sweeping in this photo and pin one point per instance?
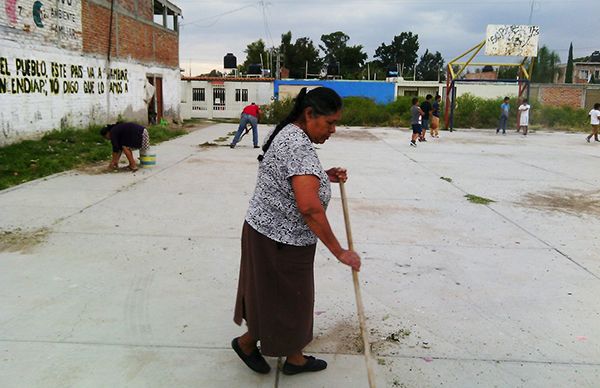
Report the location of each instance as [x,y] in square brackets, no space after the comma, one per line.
[285,218]
[126,137]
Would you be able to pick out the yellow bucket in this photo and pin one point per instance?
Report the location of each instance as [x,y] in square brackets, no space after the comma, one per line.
[148,160]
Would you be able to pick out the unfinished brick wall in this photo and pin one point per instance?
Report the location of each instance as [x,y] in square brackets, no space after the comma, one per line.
[136,42]
[558,95]
[134,35]
[95,23]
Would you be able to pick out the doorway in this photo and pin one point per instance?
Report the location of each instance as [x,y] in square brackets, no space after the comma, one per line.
[155,106]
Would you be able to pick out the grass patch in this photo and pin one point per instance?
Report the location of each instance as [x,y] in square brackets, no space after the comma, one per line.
[478,200]
[445,178]
[62,150]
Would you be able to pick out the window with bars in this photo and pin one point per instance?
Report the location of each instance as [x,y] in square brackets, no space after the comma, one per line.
[219,97]
[198,94]
[241,95]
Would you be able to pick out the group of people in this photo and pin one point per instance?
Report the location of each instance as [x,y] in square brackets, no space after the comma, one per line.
[522,116]
[424,117]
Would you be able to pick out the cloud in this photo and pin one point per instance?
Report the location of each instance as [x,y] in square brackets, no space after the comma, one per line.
[210,30]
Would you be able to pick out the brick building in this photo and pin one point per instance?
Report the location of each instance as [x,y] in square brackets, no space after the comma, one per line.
[71,63]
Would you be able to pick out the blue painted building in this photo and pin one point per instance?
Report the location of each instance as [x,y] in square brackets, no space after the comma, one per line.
[379,91]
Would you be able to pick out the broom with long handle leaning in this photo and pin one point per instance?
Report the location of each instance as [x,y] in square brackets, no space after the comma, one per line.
[359,303]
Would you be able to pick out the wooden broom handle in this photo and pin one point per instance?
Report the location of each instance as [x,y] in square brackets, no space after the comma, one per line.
[359,303]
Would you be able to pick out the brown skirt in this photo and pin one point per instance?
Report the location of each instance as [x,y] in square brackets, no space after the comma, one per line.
[276,293]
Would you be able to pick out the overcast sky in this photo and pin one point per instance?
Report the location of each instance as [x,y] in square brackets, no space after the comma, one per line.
[210,29]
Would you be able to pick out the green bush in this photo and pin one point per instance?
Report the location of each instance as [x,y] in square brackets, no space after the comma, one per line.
[358,111]
[470,112]
[364,111]
[276,111]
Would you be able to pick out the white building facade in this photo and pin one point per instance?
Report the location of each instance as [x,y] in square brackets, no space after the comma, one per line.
[222,98]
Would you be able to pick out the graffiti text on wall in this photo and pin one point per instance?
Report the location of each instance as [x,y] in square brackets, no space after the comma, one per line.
[32,76]
[52,21]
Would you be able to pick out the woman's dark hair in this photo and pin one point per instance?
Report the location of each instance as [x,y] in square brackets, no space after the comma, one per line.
[322,100]
[106,129]
[597,106]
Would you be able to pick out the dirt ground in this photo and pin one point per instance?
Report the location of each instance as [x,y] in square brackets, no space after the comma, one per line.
[22,240]
[573,202]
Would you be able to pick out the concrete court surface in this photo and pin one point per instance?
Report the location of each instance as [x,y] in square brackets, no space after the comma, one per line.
[129,279]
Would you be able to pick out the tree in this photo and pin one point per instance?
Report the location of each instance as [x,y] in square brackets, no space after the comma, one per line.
[298,54]
[430,67]
[375,70]
[333,43]
[401,51]
[350,58]
[213,73]
[255,53]
[546,66]
[569,71]
[508,72]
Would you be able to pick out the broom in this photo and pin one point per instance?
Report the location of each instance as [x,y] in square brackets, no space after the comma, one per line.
[359,303]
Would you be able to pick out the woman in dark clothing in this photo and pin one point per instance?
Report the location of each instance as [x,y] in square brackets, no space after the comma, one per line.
[285,218]
[126,137]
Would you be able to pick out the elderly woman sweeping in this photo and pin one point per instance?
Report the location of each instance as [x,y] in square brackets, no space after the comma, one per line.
[285,218]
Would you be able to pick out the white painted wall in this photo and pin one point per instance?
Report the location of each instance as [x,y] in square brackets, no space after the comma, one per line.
[81,99]
[478,89]
[259,92]
[489,90]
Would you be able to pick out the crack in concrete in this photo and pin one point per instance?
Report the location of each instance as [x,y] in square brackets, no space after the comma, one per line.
[219,348]
[506,217]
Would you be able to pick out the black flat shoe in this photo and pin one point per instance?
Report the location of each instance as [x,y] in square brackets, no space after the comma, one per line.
[254,360]
[312,365]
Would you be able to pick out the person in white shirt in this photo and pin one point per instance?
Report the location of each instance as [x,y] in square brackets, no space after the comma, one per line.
[524,116]
[595,121]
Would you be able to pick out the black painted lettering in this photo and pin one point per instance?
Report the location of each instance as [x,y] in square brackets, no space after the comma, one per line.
[70,87]
[4,66]
[88,87]
[54,86]
[3,85]
[76,71]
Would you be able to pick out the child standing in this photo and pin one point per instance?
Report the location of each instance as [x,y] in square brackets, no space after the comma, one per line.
[504,109]
[595,121]
[524,116]
[415,121]
[435,117]
[426,109]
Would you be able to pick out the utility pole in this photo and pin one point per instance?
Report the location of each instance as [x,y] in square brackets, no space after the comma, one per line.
[531,11]
[278,65]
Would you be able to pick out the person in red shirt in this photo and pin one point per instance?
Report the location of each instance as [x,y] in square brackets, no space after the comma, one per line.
[250,114]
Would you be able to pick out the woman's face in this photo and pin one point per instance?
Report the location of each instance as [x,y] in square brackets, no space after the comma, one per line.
[319,128]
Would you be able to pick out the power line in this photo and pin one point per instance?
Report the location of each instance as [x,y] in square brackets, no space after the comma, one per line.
[215,18]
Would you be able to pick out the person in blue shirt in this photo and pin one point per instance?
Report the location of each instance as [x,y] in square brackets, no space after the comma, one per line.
[504,109]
